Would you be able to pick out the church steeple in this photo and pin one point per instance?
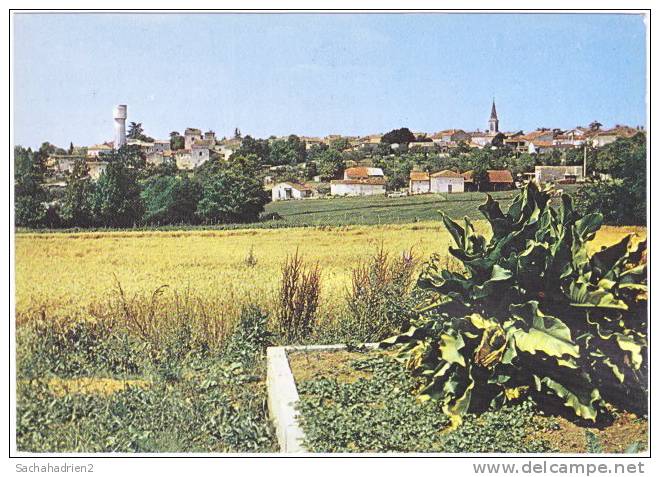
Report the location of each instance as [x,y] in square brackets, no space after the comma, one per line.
[493,122]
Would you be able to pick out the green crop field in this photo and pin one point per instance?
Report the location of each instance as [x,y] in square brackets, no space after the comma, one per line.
[378,210]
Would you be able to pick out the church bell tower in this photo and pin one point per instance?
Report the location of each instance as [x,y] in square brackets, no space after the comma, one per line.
[493,122]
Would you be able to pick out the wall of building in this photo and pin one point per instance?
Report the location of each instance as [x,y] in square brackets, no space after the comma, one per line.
[544,174]
[356,189]
[441,184]
[419,187]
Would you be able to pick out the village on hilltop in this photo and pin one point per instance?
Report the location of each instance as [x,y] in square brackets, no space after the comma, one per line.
[194,148]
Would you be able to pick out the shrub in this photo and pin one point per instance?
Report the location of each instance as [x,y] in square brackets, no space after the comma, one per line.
[251,336]
[379,301]
[298,298]
[533,313]
[268,216]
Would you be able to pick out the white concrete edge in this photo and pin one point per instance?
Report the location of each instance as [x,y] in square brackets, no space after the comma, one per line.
[283,395]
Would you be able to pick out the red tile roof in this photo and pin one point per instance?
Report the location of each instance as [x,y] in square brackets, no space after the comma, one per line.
[494,176]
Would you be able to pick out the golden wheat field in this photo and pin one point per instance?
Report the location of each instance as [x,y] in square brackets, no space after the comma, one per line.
[68,274]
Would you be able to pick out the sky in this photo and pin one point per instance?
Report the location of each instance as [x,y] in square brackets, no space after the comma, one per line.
[319,74]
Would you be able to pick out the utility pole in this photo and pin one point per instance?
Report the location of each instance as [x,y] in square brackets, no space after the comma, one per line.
[584,163]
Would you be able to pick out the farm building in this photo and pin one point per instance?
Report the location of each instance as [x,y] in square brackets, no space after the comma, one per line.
[420,182]
[496,179]
[447,181]
[289,191]
[560,174]
[373,186]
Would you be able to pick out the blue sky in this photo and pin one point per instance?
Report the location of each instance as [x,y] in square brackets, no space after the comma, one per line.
[315,74]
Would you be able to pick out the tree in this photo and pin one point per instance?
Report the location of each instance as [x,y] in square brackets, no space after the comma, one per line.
[237,133]
[621,199]
[595,126]
[234,193]
[116,200]
[29,195]
[331,163]
[171,199]
[76,207]
[135,130]
[398,136]
[257,147]
[177,141]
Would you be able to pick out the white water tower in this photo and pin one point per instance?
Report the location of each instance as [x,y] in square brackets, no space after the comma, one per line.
[119,114]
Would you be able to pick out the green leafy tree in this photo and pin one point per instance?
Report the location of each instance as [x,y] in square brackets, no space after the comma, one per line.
[171,199]
[29,195]
[232,192]
[257,147]
[76,207]
[177,141]
[398,136]
[331,164]
[621,199]
[116,200]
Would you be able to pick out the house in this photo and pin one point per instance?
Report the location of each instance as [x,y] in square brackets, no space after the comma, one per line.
[351,187]
[97,149]
[420,182]
[603,138]
[161,145]
[558,174]
[63,163]
[191,158]
[446,181]
[290,190]
[421,145]
[451,135]
[496,179]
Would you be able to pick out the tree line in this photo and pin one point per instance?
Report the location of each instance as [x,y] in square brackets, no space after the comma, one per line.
[130,192]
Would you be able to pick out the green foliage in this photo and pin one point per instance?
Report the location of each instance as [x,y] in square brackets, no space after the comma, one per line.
[77,200]
[177,141]
[257,147]
[331,163]
[533,313]
[177,393]
[297,299]
[622,199]
[170,199]
[232,193]
[251,336]
[29,195]
[398,136]
[116,200]
[380,299]
[379,413]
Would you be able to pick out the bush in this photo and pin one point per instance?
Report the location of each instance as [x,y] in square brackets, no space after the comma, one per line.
[268,216]
[533,314]
[298,298]
[251,336]
[379,300]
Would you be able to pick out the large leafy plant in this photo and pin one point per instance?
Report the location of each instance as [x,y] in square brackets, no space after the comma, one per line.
[532,313]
